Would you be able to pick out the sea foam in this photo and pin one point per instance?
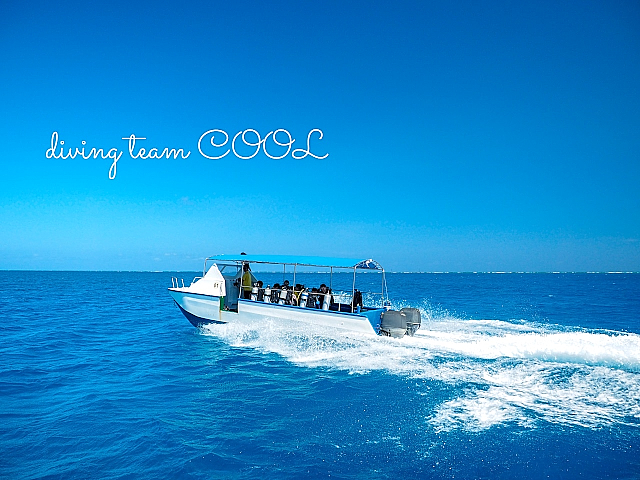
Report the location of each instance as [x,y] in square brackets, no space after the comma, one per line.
[504,372]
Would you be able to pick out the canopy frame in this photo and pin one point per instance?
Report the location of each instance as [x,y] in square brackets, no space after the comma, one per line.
[307,261]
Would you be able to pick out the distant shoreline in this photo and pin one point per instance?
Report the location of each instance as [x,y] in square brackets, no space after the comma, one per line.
[338,273]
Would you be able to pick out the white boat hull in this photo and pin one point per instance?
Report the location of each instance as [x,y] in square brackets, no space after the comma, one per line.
[201,309]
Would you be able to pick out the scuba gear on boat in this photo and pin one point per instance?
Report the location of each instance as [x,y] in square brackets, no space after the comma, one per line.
[357,299]
[303,299]
[326,302]
[267,295]
[283,297]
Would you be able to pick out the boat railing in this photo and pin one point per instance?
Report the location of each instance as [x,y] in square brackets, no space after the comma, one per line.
[342,297]
[176,282]
[338,300]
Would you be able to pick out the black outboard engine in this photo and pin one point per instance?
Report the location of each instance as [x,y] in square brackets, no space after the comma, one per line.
[397,324]
[413,320]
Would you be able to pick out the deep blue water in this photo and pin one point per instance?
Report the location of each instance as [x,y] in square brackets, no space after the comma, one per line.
[511,376]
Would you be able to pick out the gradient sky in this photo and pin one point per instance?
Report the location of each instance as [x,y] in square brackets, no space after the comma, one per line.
[462,136]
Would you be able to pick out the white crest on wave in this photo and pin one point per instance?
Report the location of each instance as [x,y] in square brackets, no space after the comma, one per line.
[506,372]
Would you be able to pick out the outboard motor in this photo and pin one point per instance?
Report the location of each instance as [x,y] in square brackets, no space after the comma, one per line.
[397,324]
[413,320]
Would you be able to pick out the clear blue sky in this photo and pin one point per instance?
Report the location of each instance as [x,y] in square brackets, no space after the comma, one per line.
[462,136]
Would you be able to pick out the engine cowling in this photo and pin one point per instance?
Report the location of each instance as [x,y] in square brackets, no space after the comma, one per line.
[398,324]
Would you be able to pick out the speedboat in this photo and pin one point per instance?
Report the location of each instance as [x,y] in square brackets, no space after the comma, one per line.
[229,291]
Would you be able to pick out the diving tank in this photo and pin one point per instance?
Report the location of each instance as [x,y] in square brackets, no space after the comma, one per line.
[326,302]
[283,297]
[304,296]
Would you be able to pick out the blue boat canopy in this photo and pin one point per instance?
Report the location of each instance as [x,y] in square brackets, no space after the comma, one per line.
[307,261]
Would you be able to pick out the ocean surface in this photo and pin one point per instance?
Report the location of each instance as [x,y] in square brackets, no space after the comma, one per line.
[525,376]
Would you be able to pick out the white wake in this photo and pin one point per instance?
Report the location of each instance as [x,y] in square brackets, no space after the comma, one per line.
[504,372]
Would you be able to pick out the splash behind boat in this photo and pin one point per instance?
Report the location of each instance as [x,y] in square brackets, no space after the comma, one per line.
[228,292]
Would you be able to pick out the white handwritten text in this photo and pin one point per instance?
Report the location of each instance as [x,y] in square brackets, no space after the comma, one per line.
[259,143]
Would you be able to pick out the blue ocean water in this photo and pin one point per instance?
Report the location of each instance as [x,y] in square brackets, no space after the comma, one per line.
[511,376]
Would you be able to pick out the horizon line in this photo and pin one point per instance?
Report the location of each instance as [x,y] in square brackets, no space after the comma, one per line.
[497,272]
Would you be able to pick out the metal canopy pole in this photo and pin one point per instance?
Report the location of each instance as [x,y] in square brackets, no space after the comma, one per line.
[353,290]
[331,280]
